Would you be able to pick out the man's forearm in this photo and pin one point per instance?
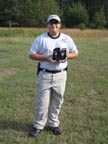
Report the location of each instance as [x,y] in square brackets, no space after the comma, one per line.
[72,55]
[38,57]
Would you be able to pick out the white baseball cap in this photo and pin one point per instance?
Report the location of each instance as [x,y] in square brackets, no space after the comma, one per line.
[56,17]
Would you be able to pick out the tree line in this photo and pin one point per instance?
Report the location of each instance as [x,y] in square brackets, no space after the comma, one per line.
[74,13]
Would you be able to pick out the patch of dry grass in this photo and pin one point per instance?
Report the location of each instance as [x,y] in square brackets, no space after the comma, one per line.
[4,73]
[27,32]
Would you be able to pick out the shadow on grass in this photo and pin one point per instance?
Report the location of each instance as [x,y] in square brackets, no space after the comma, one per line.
[18,126]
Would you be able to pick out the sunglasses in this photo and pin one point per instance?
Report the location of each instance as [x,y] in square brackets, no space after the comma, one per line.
[53,22]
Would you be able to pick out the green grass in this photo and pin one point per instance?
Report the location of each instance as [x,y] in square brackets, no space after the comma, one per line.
[84,114]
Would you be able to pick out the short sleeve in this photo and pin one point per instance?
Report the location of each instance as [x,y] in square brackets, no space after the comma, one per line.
[35,47]
[72,46]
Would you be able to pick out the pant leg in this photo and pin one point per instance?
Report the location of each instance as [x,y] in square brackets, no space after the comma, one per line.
[57,93]
[42,101]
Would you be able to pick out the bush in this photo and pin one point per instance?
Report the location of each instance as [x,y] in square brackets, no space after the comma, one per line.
[76,15]
[82,26]
[99,19]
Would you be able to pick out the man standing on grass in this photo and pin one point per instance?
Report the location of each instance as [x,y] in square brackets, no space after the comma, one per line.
[52,49]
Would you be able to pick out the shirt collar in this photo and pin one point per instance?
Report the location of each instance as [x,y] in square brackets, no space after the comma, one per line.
[53,37]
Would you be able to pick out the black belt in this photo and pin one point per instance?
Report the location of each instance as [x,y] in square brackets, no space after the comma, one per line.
[53,71]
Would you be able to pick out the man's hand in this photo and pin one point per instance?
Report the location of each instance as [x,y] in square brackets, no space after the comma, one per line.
[50,59]
[63,61]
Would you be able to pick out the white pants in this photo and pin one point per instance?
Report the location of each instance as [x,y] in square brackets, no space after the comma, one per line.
[50,91]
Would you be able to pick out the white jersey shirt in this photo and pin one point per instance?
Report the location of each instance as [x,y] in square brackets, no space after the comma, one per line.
[44,44]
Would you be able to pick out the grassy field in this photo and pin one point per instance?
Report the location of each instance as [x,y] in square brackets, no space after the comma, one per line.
[84,114]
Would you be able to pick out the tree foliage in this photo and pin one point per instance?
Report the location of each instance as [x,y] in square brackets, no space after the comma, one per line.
[8,11]
[99,19]
[74,13]
[45,8]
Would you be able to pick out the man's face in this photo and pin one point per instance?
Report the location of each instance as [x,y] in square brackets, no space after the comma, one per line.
[54,26]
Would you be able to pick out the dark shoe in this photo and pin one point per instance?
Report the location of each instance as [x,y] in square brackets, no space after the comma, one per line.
[34,132]
[56,130]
